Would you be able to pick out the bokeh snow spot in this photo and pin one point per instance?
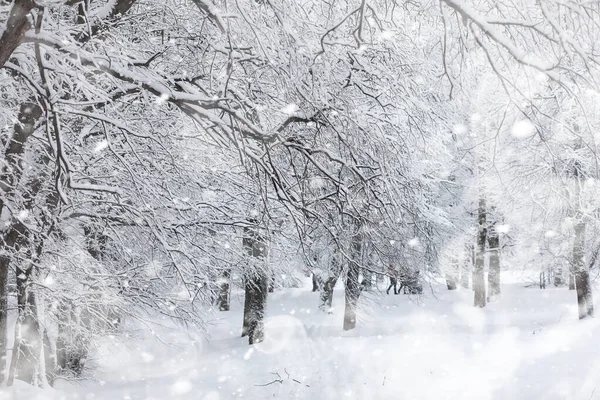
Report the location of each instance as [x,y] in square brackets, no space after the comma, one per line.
[522,129]
[181,387]
[459,129]
[414,242]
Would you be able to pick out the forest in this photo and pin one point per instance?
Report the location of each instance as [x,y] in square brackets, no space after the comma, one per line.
[229,190]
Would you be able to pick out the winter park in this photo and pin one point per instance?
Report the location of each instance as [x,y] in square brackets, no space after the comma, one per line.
[299,199]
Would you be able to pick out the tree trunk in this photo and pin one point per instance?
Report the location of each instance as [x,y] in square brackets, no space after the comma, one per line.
[580,268]
[571,281]
[582,279]
[256,286]
[12,169]
[272,283]
[10,240]
[326,298]
[315,282]
[478,272]
[16,26]
[27,358]
[247,308]
[352,288]
[367,279]
[467,267]
[452,274]
[494,273]
[224,290]
[256,291]
[4,265]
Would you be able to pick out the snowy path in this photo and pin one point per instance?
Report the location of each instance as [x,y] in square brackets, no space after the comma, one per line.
[527,346]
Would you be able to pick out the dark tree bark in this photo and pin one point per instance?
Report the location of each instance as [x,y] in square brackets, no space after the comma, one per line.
[27,349]
[247,309]
[10,243]
[224,290]
[352,289]
[452,274]
[315,282]
[326,298]
[256,286]
[16,26]
[467,267]
[12,170]
[4,266]
[272,283]
[478,271]
[367,282]
[582,276]
[571,281]
[120,7]
[256,291]
[543,280]
[494,273]
[580,269]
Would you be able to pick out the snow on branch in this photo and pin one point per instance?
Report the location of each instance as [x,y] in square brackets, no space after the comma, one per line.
[213,13]
[469,14]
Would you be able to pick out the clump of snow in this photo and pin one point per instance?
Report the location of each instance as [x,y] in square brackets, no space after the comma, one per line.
[290,109]
[103,144]
[504,228]
[163,98]
[522,129]
[550,234]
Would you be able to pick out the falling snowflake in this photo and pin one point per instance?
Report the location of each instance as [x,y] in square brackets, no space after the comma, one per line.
[248,354]
[147,357]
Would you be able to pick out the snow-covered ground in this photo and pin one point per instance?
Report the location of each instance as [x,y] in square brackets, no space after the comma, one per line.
[529,345]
